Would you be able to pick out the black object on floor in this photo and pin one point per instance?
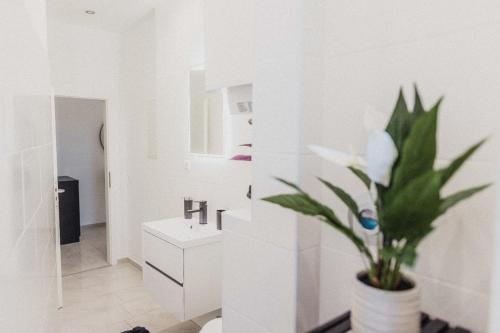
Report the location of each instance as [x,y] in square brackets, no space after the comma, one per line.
[137,330]
[69,210]
[342,324]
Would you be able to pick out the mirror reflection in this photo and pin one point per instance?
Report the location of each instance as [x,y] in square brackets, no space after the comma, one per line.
[206,116]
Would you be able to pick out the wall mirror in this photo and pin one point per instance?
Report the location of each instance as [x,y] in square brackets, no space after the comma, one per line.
[206,118]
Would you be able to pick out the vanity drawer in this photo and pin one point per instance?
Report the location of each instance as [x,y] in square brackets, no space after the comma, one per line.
[167,292]
[166,257]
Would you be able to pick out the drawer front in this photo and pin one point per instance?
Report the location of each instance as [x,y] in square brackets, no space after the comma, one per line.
[166,257]
[168,293]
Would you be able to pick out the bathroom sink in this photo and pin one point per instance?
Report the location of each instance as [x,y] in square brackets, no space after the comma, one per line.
[183,233]
[182,266]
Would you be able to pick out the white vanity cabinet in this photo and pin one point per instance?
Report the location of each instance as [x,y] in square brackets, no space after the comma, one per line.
[182,267]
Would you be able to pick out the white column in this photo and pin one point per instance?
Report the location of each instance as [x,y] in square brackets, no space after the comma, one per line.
[272,281]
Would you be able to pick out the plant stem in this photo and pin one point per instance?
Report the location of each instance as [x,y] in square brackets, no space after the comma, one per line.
[386,274]
[396,275]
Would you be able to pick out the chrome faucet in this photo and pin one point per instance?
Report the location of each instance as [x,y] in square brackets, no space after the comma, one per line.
[202,210]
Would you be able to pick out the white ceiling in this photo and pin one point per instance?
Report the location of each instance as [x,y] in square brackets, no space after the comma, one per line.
[111,15]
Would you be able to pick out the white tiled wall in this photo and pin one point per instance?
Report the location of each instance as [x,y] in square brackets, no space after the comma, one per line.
[229,42]
[157,55]
[272,268]
[371,50]
[27,243]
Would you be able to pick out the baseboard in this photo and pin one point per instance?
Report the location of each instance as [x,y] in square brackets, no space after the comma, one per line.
[93,225]
[131,262]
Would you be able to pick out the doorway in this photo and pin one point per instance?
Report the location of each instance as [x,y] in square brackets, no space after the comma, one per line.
[82,169]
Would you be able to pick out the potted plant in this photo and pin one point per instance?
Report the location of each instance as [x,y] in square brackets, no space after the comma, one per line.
[401,177]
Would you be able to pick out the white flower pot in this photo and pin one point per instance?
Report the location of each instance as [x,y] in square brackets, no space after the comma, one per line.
[381,311]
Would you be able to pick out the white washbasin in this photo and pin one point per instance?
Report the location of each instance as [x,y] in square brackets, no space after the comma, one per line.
[184,233]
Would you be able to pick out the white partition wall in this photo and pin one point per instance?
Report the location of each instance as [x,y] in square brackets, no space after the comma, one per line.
[28,288]
[271,283]
[229,42]
[494,320]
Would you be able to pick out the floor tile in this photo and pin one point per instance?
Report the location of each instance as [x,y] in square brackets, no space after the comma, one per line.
[141,306]
[154,321]
[186,327]
[127,295]
[112,299]
[202,320]
[89,253]
[114,328]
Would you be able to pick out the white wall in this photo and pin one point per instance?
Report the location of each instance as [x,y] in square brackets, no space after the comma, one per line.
[138,93]
[494,321]
[371,50]
[271,273]
[229,40]
[80,155]
[85,63]
[334,59]
[161,65]
[27,226]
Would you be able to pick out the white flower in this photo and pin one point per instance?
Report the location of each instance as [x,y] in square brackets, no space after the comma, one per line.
[381,153]
[338,157]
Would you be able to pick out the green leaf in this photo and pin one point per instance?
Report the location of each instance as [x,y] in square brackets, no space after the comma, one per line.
[344,196]
[298,202]
[410,214]
[302,203]
[454,199]
[362,176]
[418,154]
[290,184]
[408,255]
[448,172]
[400,122]
[388,253]
[418,108]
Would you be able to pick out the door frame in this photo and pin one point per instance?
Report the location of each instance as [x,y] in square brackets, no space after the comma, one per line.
[56,204]
[110,255]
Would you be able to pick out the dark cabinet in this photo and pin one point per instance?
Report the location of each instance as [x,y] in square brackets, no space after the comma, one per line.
[69,210]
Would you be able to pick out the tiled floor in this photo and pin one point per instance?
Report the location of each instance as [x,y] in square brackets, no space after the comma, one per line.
[89,253]
[112,300]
